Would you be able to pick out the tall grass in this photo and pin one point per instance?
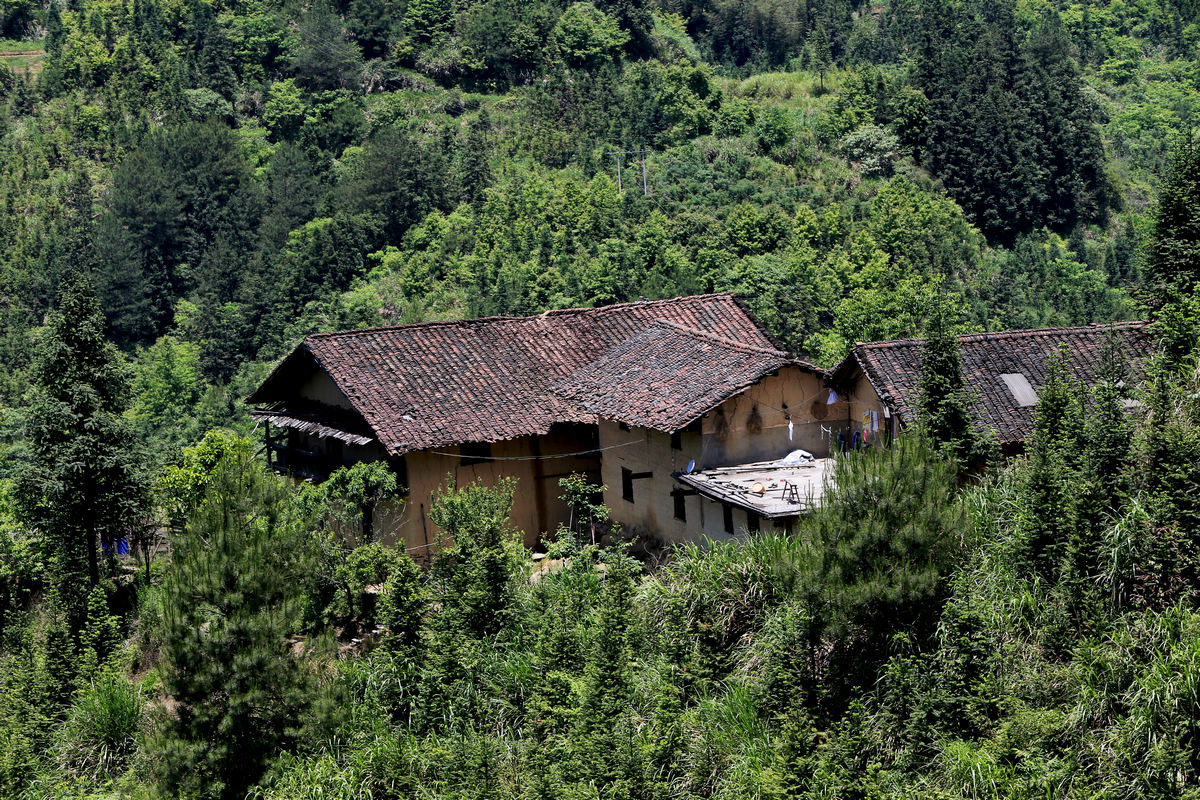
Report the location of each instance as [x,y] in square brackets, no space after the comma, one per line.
[101,732]
[730,587]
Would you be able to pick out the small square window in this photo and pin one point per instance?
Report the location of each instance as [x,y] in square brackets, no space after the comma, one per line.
[623,426]
[680,505]
[475,452]
[627,484]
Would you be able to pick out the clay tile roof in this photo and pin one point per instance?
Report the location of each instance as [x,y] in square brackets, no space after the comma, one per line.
[668,375]
[894,368]
[485,380]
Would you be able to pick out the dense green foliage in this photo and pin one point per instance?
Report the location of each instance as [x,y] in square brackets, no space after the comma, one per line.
[912,636]
[191,187]
[233,176]
[228,606]
[945,401]
[82,484]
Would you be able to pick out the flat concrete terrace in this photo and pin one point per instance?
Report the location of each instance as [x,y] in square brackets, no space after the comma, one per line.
[769,488]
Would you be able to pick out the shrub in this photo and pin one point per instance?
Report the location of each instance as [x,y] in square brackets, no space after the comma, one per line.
[100,734]
[872,148]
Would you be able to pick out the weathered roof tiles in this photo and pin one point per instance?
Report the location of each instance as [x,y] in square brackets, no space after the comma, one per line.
[894,368]
[485,380]
[668,375]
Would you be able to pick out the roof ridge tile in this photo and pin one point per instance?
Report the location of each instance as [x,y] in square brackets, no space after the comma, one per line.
[1018,333]
[442,382]
[548,314]
[727,342]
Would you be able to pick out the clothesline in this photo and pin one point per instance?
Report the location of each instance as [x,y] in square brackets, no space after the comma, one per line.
[832,397]
[536,458]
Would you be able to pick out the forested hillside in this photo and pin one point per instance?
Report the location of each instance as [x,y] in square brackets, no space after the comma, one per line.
[233,176]
[192,186]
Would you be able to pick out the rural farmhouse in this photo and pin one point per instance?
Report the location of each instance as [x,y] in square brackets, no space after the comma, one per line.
[686,410]
[631,394]
[1003,371]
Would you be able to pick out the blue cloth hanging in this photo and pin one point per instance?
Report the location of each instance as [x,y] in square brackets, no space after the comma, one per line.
[122,547]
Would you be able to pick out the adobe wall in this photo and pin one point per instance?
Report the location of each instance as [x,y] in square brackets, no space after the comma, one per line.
[753,426]
[537,507]
[749,427]
[320,387]
[652,511]
[536,504]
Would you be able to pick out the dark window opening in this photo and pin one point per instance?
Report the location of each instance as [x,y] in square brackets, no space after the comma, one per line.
[475,453]
[680,506]
[728,514]
[676,441]
[623,426]
[752,522]
[627,484]
[399,466]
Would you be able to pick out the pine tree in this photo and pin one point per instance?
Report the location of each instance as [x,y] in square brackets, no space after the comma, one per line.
[820,57]
[605,730]
[1048,518]
[83,485]
[890,528]
[945,401]
[1172,262]
[291,195]
[472,582]
[325,57]
[476,565]
[402,607]
[55,34]
[240,690]
[1102,484]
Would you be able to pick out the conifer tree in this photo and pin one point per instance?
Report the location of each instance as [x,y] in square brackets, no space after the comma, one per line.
[1049,511]
[1101,487]
[890,528]
[54,30]
[476,568]
[605,731]
[476,172]
[402,607]
[1172,263]
[945,401]
[820,57]
[83,485]
[1168,450]
[1173,255]
[325,58]
[472,583]
[240,690]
